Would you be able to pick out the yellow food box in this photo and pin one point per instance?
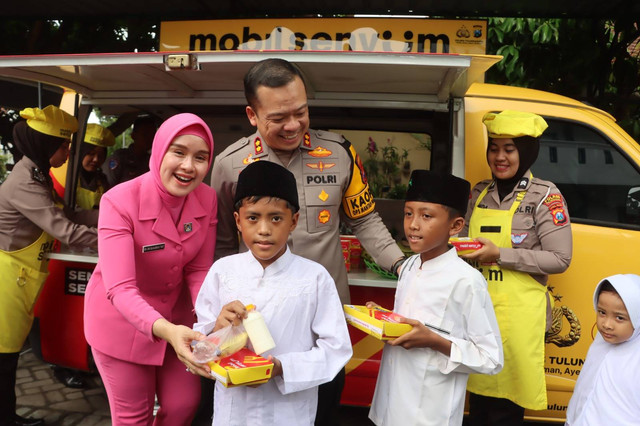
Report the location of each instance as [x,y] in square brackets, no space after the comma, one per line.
[379,322]
[242,368]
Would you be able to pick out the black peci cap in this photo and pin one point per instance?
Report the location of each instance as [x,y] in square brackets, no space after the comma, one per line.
[445,189]
[267,179]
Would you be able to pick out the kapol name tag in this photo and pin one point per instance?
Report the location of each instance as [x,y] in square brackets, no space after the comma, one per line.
[153,247]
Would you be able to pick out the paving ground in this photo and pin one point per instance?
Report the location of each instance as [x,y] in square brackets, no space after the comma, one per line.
[41,395]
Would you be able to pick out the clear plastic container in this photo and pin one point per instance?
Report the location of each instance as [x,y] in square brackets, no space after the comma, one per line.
[220,344]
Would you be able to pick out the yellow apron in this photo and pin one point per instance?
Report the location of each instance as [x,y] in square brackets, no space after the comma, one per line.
[87,199]
[23,273]
[520,305]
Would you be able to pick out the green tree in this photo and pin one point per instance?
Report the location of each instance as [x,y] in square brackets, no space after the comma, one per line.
[93,35]
[595,61]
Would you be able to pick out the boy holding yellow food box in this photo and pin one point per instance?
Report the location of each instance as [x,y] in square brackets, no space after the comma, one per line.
[424,372]
[296,296]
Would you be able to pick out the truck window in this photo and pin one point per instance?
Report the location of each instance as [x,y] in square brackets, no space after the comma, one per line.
[406,150]
[388,158]
[601,186]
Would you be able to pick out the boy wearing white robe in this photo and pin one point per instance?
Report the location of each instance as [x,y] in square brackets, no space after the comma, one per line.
[297,298]
[423,374]
[608,388]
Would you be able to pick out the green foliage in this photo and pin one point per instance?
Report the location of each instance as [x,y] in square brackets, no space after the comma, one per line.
[590,60]
[122,140]
[522,42]
[384,172]
[8,118]
[78,36]
[4,158]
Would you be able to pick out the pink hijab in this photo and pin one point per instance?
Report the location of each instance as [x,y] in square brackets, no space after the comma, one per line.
[177,125]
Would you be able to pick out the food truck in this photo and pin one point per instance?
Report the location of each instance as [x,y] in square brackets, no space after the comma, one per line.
[392,91]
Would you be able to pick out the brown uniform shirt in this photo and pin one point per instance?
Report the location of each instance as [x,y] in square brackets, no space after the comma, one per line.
[27,208]
[322,182]
[541,241]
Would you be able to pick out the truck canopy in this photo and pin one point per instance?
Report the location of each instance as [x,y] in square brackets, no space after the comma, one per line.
[356,79]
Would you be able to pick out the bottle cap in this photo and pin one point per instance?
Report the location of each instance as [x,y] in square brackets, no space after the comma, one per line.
[250,307]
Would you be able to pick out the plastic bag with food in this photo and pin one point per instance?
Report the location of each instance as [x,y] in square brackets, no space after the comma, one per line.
[222,343]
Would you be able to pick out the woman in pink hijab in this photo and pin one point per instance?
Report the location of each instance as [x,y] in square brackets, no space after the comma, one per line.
[156,239]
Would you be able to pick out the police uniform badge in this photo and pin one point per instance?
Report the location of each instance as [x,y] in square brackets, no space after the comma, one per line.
[522,184]
[37,175]
[113,163]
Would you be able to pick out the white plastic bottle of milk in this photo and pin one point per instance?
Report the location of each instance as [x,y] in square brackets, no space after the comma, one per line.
[257,330]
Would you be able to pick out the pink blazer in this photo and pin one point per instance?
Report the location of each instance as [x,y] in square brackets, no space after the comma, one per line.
[147,269]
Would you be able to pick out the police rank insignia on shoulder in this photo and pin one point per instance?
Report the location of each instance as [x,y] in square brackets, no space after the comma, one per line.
[257,145]
[37,175]
[522,184]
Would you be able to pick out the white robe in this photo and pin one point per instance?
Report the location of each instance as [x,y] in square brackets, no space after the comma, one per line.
[421,386]
[608,389]
[299,302]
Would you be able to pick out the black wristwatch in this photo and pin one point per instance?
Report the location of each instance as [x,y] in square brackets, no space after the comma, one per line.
[397,263]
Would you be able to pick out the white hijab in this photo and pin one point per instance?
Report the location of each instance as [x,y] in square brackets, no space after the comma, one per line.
[608,389]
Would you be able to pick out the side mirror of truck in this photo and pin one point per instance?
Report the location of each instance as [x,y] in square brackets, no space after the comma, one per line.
[632,210]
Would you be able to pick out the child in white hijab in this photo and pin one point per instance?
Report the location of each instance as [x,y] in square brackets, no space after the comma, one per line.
[607,391]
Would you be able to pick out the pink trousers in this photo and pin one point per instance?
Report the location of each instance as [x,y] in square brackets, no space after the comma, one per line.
[131,389]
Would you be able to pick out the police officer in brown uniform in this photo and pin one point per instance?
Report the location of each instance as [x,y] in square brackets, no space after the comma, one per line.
[127,163]
[31,218]
[332,186]
[524,225]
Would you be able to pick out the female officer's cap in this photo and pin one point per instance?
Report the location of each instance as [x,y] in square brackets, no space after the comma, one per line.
[99,135]
[514,124]
[51,121]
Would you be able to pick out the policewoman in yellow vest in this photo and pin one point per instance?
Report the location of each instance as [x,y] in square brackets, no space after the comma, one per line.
[30,220]
[524,225]
[92,183]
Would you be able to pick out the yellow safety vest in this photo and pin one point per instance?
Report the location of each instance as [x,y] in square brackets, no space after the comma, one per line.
[520,305]
[23,274]
[87,199]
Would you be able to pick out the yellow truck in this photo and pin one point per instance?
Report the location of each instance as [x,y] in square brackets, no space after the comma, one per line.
[434,100]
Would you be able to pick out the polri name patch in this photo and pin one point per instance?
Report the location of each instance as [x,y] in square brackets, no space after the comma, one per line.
[153,247]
